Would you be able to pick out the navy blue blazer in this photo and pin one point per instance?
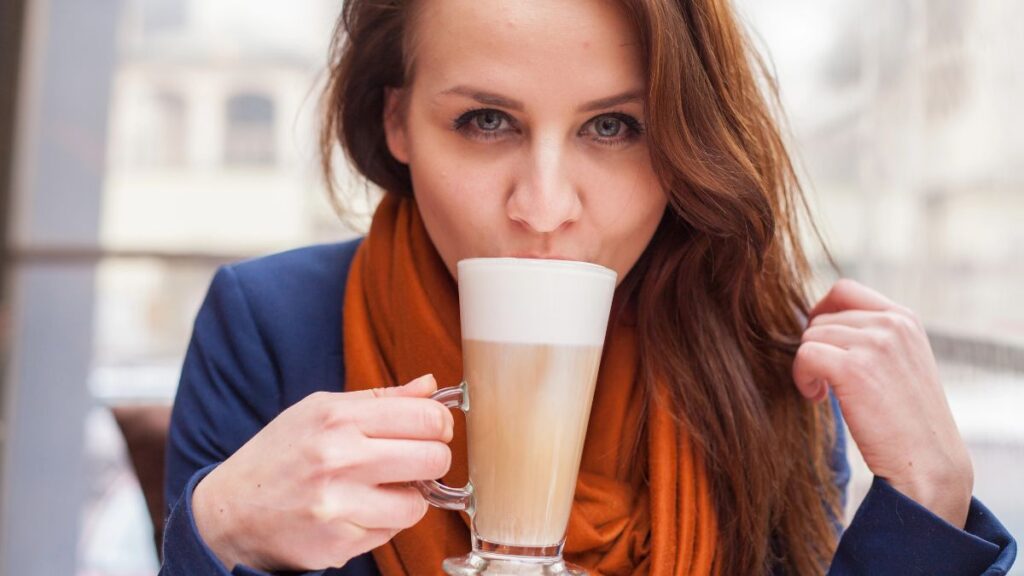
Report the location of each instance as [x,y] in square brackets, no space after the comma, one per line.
[269,334]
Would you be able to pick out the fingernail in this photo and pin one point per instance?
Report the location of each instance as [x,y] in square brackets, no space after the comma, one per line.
[820,389]
[420,379]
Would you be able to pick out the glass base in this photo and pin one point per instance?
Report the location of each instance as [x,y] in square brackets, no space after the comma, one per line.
[473,564]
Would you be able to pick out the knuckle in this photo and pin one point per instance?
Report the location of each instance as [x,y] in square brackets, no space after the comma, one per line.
[888,323]
[313,402]
[905,312]
[324,458]
[318,397]
[323,510]
[799,360]
[321,513]
[845,282]
[330,416]
[880,340]
[804,352]
[844,286]
[894,321]
[888,319]
[902,324]
[316,457]
[910,324]
[890,345]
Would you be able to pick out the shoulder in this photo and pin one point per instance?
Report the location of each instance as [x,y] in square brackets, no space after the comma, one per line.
[310,271]
[295,301]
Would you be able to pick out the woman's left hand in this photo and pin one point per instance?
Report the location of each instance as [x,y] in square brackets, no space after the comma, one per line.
[875,356]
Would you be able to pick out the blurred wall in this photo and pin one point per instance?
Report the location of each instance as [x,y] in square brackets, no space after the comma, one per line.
[11,23]
[59,160]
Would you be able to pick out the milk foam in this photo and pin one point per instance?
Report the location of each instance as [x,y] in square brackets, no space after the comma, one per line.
[522,300]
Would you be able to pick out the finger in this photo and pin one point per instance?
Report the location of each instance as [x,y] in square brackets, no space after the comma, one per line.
[848,294]
[350,539]
[815,367]
[373,538]
[851,318]
[872,328]
[838,335]
[419,388]
[391,461]
[404,418]
[388,507]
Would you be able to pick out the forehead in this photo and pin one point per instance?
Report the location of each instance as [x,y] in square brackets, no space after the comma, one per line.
[584,48]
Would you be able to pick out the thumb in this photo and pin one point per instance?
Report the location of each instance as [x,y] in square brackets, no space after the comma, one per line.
[421,387]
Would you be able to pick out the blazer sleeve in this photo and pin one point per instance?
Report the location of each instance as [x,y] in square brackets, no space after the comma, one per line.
[839,463]
[891,534]
[229,389]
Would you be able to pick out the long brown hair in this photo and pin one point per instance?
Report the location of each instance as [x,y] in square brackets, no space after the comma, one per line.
[720,290]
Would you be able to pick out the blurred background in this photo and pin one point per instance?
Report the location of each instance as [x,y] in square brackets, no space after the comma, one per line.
[145,142]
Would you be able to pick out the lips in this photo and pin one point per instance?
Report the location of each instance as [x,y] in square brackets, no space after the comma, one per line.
[545,257]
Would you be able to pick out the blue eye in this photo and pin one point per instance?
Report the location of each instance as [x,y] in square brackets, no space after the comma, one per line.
[488,120]
[613,129]
[608,126]
[483,124]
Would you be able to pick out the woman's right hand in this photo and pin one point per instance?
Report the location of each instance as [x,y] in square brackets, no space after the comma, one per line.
[326,480]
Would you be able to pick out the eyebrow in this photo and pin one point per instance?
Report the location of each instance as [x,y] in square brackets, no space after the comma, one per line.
[492,99]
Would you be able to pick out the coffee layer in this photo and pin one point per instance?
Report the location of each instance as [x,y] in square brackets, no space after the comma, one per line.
[529,406]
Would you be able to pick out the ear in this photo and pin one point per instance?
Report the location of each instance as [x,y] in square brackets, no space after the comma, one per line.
[394,125]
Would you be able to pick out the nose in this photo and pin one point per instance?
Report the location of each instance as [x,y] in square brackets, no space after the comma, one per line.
[544,198]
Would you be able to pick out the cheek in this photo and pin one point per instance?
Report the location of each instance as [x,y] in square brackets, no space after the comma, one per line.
[455,193]
[626,189]
[445,178]
[627,212]
[455,204]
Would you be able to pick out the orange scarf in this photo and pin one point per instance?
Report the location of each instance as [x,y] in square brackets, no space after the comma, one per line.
[402,321]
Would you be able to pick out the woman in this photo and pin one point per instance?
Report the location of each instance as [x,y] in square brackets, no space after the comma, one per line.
[631,134]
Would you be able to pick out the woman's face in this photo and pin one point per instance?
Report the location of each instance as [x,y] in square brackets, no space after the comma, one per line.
[524,131]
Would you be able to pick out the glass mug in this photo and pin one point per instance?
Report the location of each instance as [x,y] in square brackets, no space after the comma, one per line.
[532,335]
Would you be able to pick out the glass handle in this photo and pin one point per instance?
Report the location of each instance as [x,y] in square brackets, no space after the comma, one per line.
[434,492]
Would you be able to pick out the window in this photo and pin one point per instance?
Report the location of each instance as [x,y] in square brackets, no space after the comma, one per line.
[169,125]
[250,130]
[161,16]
